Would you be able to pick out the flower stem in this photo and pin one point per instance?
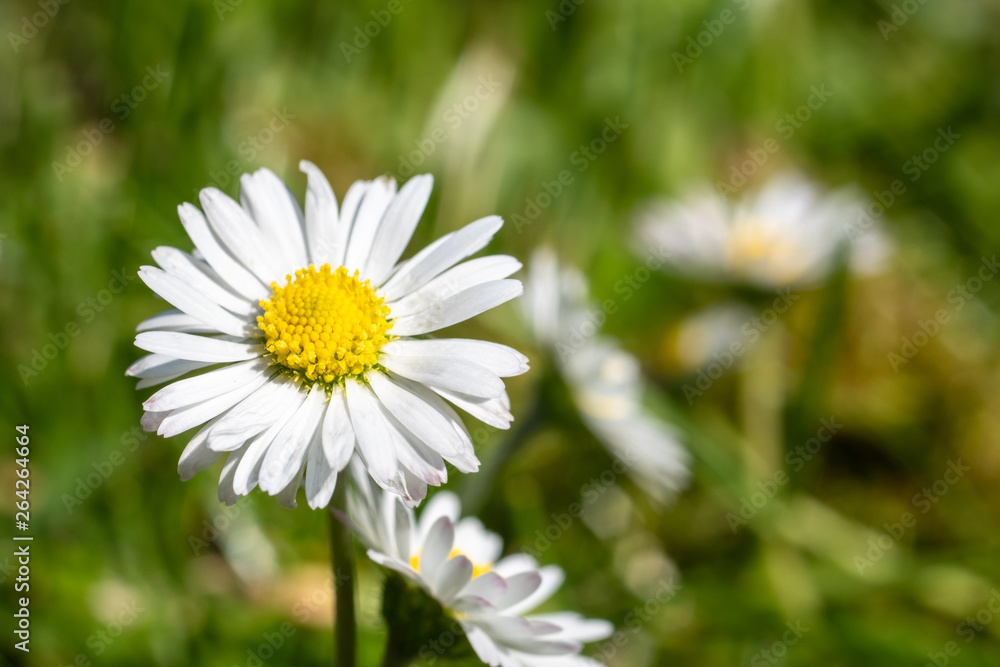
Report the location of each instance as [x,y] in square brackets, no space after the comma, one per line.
[342,559]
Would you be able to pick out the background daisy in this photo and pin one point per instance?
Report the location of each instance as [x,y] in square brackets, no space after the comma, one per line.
[458,562]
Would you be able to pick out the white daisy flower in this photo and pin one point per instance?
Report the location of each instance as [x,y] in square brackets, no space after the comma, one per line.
[606,382]
[305,330]
[785,235]
[457,562]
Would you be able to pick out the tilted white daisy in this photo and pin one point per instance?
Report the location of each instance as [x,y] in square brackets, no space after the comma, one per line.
[457,562]
[785,235]
[606,382]
[304,329]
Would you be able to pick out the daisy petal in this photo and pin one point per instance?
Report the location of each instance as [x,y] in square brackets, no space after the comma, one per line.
[458,308]
[286,455]
[185,267]
[437,546]
[321,217]
[452,577]
[366,224]
[234,273]
[398,224]
[268,201]
[452,374]
[186,298]
[197,348]
[451,249]
[372,432]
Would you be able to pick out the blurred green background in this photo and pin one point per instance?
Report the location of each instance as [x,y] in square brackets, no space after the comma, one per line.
[113,113]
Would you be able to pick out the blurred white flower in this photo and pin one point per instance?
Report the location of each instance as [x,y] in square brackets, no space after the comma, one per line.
[716,331]
[309,331]
[605,381]
[785,235]
[457,562]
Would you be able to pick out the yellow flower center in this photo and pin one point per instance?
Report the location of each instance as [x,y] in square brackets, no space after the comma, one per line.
[477,568]
[324,325]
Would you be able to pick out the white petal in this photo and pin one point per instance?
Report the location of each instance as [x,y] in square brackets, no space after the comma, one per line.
[490,586]
[452,578]
[218,258]
[484,647]
[254,414]
[366,224]
[188,417]
[373,434]
[205,386]
[452,374]
[175,320]
[421,419]
[552,578]
[197,456]
[321,479]
[492,411]
[248,471]
[287,453]
[197,348]
[186,298]
[275,209]
[286,497]
[321,218]
[441,504]
[348,213]
[436,548]
[441,256]
[185,267]
[499,359]
[454,280]
[458,308]
[161,365]
[244,240]
[519,587]
[338,435]
[397,227]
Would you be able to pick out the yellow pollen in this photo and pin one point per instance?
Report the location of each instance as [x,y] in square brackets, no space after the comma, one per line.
[324,325]
[477,568]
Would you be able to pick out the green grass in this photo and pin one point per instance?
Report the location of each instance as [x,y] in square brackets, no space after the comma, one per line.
[245,85]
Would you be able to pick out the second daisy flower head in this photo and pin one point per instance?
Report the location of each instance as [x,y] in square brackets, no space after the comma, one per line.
[300,333]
